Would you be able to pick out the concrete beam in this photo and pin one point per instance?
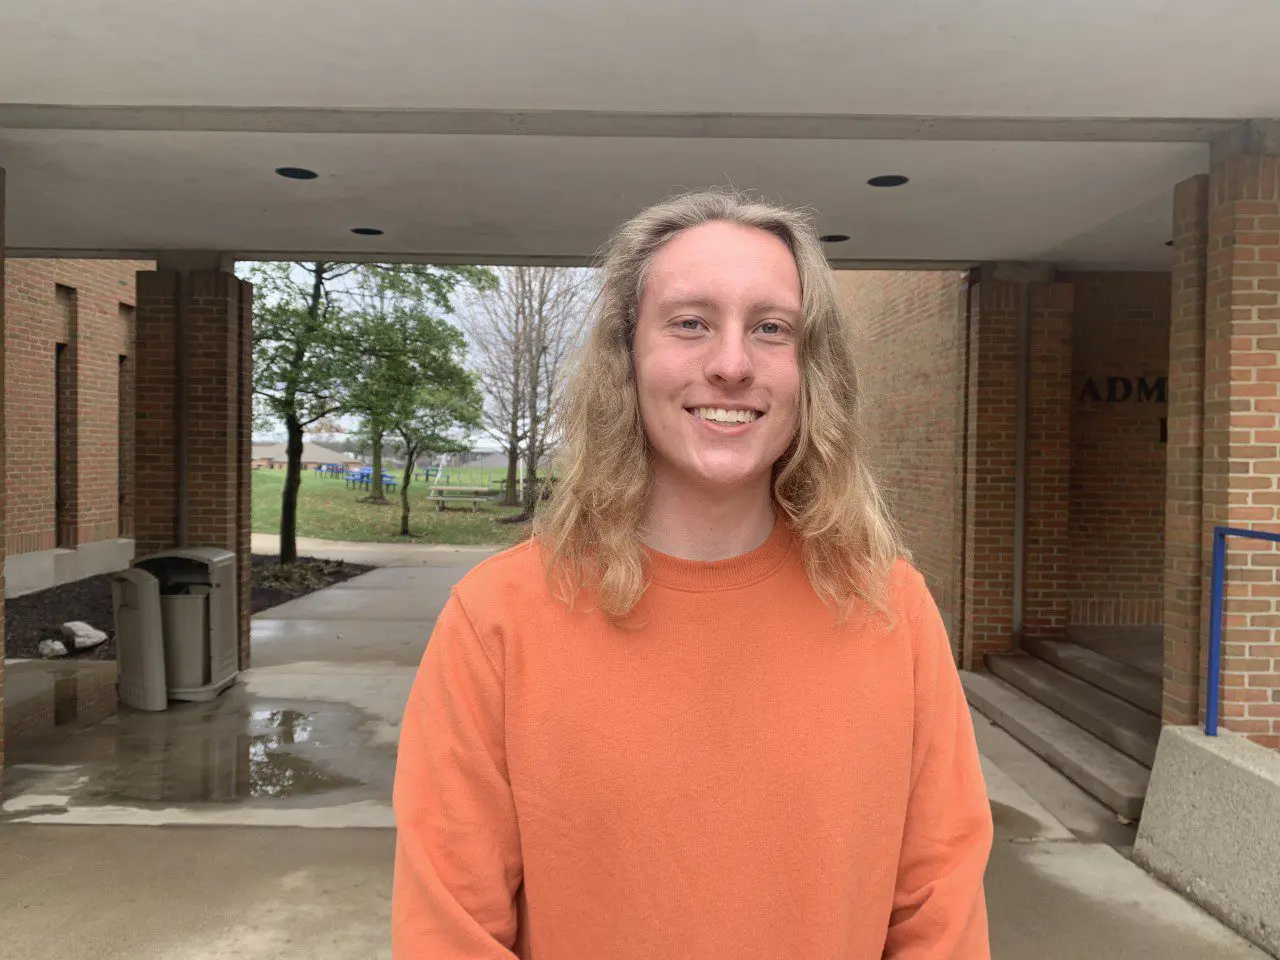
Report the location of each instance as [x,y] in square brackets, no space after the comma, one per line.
[1010,271]
[1259,137]
[602,123]
[194,261]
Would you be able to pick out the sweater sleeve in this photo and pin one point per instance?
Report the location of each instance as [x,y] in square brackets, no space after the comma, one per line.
[939,909]
[458,865]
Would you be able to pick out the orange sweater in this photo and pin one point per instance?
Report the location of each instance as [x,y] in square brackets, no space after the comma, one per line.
[739,778]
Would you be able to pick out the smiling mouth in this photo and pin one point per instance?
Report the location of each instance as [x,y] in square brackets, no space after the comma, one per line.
[723,415]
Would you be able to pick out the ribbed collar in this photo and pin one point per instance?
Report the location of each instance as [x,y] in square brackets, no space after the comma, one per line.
[739,571]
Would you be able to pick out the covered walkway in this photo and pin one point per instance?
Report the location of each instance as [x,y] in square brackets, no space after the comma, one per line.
[1039,154]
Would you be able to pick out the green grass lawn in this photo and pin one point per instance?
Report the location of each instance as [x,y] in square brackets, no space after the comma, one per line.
[330,511]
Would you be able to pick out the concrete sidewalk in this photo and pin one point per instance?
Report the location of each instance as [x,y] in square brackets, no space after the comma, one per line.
[379,554]
[184,835]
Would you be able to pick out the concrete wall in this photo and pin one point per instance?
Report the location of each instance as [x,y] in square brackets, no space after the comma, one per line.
[1211,828]
[911,331]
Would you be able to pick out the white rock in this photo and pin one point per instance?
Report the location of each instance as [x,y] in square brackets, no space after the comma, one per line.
[52,649]
[82,634]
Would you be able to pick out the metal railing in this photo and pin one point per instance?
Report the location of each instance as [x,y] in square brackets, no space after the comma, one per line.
[1217,596]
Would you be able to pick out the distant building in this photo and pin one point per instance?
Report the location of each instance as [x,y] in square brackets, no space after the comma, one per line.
[273,456]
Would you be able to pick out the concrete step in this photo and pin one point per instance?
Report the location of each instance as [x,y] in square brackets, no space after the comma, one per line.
[1116,780]
[1119,679]
[1130,730]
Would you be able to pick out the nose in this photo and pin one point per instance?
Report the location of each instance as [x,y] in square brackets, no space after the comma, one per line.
[730,359]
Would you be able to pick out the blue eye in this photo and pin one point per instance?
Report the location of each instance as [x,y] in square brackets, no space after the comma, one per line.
[771,328]
[690,324]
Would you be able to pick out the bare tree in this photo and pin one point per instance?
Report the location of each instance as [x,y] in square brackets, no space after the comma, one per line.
[523,334]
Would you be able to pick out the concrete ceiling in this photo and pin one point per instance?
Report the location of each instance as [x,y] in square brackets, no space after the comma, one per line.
[509,131]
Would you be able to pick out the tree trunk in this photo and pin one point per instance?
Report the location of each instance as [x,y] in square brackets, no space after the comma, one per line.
[375,481]
[511,496]
[292,481]
[410,457]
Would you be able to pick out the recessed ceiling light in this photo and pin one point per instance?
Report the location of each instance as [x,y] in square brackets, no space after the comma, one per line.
[834,237]
[296,173]
[888,180]
[366,231]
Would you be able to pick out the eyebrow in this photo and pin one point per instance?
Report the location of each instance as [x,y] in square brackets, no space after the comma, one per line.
[705,303]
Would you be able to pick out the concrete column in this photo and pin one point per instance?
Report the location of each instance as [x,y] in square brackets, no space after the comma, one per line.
[1184,534]
[990,466]
[1242,429]
[1047,558]
[193,416]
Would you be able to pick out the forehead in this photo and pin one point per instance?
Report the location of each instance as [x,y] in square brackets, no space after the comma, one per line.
[726,262]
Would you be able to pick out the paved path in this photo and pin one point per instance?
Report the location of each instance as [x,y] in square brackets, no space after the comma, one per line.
[378,554]
[183,835]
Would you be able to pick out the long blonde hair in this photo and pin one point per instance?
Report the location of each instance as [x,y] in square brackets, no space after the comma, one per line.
[590,529]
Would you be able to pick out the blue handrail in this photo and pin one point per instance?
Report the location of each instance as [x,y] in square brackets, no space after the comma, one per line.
[1216,597]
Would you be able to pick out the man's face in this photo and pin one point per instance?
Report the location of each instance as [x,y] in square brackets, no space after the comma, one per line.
[716,356]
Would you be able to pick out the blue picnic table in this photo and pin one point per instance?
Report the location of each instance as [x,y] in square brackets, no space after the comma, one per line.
[363,479]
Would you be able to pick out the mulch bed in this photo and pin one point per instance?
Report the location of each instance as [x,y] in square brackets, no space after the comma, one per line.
[37,616]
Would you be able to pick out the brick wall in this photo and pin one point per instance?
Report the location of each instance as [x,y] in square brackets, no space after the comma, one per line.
[1048,571]
[3,277]
[911,331]
[1118,461]
[1242,431]
[990,470]
[207,386]
[1184,493]
[86,305]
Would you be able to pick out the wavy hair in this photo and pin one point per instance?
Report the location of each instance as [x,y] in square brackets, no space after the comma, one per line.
[590,529]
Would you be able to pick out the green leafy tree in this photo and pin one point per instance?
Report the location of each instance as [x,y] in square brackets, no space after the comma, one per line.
[300,355]
[436,420]
[402,345]
[310,354]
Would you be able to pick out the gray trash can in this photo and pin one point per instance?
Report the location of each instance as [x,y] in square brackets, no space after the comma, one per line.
[178,608]
[140,660]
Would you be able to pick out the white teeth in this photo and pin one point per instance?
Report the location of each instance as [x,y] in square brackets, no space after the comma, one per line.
[720,415]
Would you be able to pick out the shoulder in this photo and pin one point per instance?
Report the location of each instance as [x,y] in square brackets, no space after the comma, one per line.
[915,615]
[511,580]
[512,567]
[907,593]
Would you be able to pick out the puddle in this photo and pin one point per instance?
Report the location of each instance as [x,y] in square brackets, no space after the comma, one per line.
[226,751]
[273,772]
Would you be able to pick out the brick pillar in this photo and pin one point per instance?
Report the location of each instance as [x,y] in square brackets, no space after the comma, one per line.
[990,470]
[1242,430]
[2,475]
[1183,556]
[1047,574]
[193,413]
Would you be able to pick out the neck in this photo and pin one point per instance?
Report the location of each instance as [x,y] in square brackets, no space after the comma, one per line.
[697,523]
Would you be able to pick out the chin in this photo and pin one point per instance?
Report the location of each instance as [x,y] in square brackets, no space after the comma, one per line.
[730,477]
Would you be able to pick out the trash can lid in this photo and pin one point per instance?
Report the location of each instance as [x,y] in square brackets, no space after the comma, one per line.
[135,576]
[205,554]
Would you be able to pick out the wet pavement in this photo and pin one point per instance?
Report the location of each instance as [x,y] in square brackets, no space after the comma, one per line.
[306,738]
[181,835]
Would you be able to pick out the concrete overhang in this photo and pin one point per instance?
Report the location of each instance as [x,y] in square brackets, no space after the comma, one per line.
[509,132]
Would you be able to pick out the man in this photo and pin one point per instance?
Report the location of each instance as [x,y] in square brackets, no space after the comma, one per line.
[709,711]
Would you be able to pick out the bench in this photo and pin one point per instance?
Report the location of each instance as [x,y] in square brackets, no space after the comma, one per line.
[441,499]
